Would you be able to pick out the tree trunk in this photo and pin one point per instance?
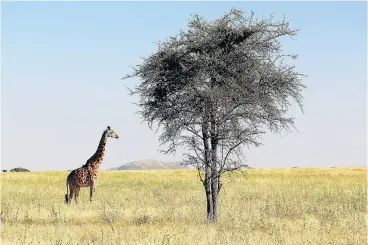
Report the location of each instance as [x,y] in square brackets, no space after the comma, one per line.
[207,186]
[214,188]
[214,161]
[214,169]
[207,178]
[210,142]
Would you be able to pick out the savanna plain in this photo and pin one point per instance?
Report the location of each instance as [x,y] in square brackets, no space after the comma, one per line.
[259,206]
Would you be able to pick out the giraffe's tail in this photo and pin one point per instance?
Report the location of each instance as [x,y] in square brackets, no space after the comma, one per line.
[67,193]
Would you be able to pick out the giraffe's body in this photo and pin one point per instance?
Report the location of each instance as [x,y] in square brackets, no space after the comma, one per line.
[87,175]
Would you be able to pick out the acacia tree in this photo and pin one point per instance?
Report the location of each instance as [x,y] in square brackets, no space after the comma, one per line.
[216,88]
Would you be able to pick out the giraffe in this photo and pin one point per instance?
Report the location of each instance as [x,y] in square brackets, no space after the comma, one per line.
[87,175]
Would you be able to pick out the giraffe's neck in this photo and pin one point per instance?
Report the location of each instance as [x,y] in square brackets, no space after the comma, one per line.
[97,158]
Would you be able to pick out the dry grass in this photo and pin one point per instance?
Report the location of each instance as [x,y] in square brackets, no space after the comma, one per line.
[287,206]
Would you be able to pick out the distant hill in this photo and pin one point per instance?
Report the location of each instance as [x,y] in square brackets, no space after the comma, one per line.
[150,164]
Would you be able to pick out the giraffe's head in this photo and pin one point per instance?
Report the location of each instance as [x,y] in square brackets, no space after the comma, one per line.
[111,133]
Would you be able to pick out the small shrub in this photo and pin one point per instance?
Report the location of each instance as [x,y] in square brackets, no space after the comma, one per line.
[19,170]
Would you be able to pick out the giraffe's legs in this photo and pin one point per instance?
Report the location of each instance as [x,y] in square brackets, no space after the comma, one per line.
[91,192]
[71,194]
[77,189]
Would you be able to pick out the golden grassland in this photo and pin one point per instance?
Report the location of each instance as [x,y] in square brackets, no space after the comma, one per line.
[261,206]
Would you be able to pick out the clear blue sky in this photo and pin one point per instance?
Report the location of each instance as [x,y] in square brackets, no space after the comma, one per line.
[62,63]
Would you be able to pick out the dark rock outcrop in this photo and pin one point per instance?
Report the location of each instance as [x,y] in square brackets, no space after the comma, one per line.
[19,170]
